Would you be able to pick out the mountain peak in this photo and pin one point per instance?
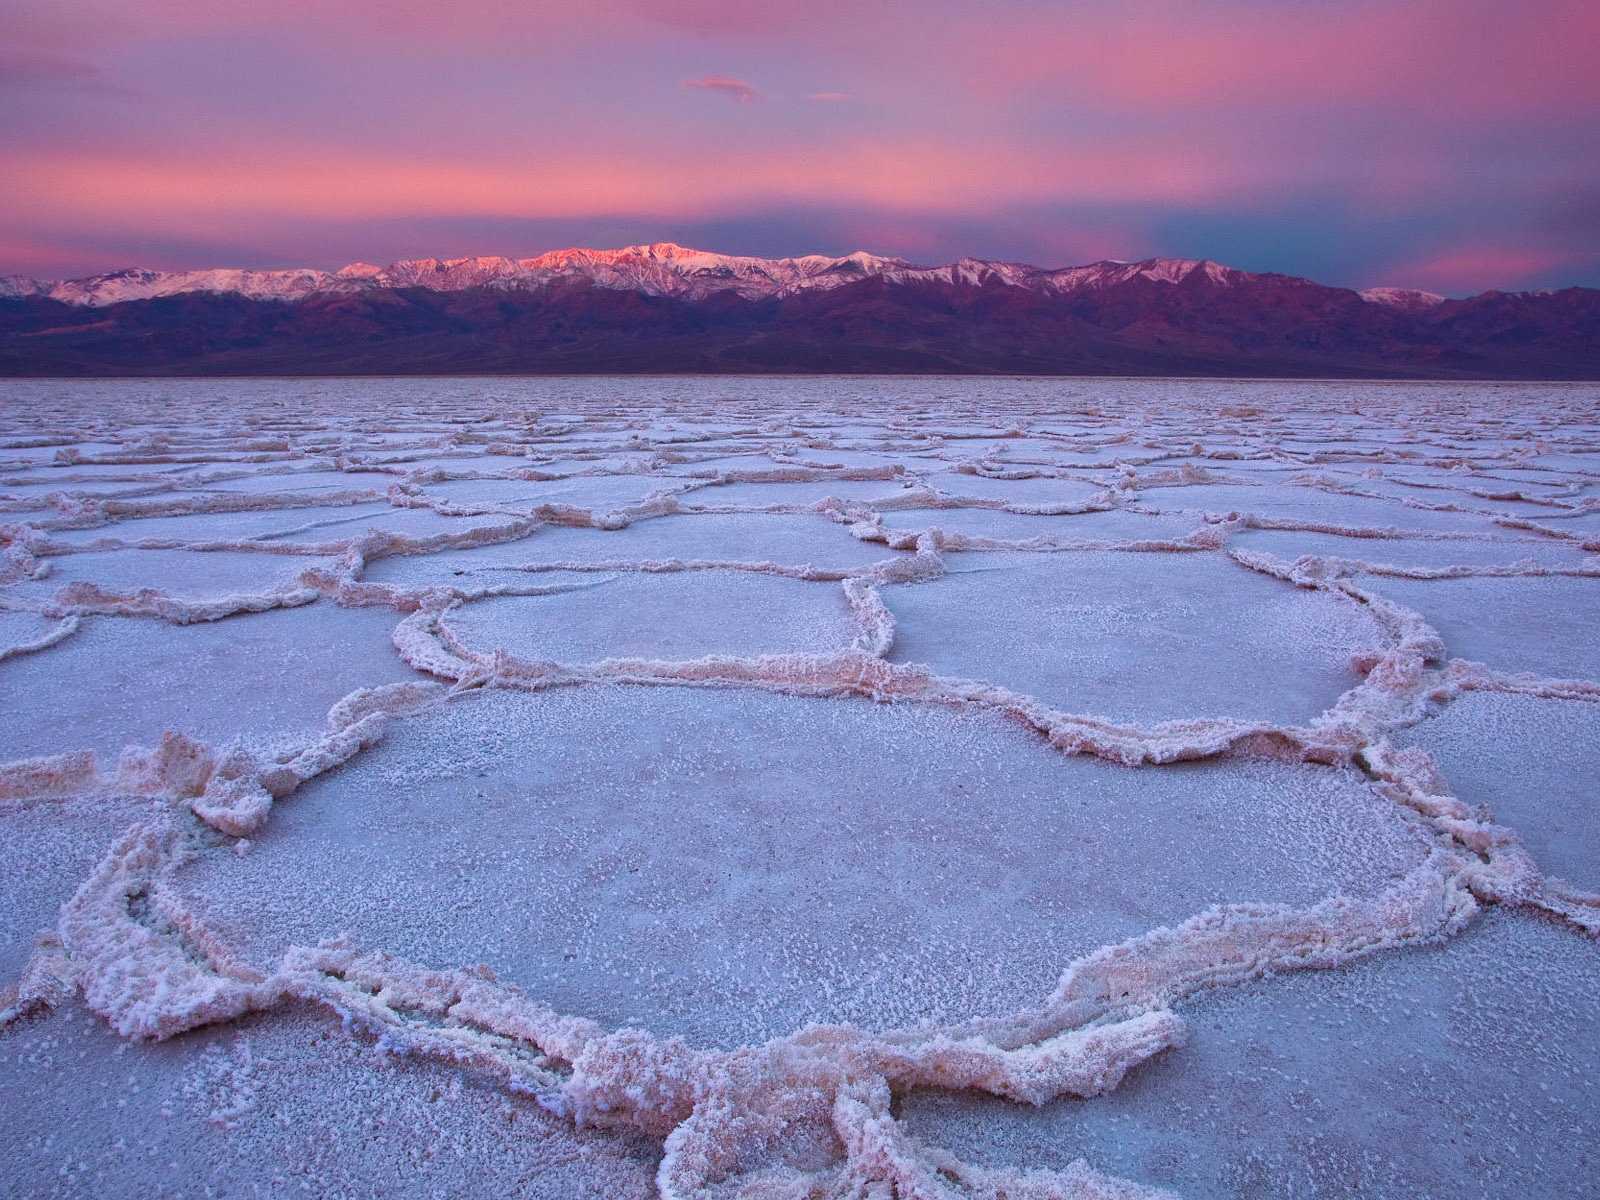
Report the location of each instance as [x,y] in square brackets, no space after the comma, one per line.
[666,250]
[1409,299]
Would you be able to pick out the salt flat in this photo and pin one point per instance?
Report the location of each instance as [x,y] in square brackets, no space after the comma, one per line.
[825,787]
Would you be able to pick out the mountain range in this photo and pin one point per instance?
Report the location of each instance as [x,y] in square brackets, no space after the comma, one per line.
[665,308]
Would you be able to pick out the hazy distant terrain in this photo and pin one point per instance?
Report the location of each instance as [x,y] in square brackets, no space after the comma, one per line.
[664,308]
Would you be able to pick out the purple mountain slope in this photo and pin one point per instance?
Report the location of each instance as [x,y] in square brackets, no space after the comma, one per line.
[666,308]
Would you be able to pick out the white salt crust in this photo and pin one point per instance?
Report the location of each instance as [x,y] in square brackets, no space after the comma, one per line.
[592,632]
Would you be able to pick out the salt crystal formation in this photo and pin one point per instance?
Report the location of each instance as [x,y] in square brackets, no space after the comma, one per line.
[707,788]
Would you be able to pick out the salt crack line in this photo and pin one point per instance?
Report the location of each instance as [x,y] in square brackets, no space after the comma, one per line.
[884,474]
[1385,533]
[1351,488]
[142,962]
[152,971]
[1497,867]
[53,775]
[77,511]
[49,979]
[124,939]
[1203,539]
[65,628]
[352,593]
[630,1078]
[874,622]
[427,643]
[1464,675]
[1526,568]
[348,590]
[1398,683]
[1415,667]
[1229,944]
[231,789]
[21,550]
[660,503]
[83,598]
[147,966]
[1590,543]
[1317,569]
[369,544]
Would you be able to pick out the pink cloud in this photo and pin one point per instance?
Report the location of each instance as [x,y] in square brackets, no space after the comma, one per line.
[1461,58]
[714,17]
[190,191]
[1465,269]
[1465,57]
[827,97]
[24,68]
[47,258]
[737,89]
[51,24]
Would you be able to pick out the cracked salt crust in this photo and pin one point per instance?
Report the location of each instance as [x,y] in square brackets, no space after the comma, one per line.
[681,615]
[1398,556]
[1007,825]
[1271,651]
[1474,1062]
[1549,797]
[862,853]
[1540,624]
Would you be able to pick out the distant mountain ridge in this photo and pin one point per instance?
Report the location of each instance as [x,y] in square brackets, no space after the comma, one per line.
[662,269]
[667,308]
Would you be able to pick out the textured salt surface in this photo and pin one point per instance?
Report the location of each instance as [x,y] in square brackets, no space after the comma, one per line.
[1113,525]
[315,524]
[576,743]
[1534,763]
[1291,503]
[51,844]
[862,853]
[1089,632]
[122,681]
[793,541]
[184,575]
[1541,625]
[286,1104]
[1506,552]
[677,615]
[1468,1069]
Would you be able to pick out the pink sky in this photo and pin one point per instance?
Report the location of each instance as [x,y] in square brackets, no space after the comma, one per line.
[1445,144]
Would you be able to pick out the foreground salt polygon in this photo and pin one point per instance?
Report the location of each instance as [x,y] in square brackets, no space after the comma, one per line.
[801,766]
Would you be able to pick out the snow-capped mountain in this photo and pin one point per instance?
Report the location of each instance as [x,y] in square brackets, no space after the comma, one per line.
[662,269]
[664,308]
[1409,299]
